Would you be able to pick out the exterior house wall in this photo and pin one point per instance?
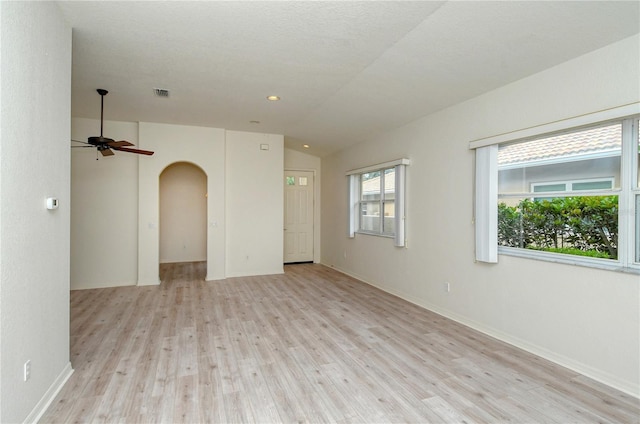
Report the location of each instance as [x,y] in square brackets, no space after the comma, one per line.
[520,180]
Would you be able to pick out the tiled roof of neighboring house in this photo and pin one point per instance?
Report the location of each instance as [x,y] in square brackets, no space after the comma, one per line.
[595,142]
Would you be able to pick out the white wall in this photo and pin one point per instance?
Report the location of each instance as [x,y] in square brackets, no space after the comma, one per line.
[254,198]
[204,147]
[104,208]
[584,318]
[127,186]
[299,161]
[34,164]
[183,214]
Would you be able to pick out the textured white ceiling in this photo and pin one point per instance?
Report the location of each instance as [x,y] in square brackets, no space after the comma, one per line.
[345,70]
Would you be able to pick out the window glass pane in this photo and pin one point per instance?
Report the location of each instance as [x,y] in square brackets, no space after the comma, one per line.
[581,225]
[370,189]
[592,185]
[389,183]
[638,145]
[545,188]
[389,217]
[291,180]
[638,228]
[592,154]
[388,227]
[370,216]
[377,201]
[302,181]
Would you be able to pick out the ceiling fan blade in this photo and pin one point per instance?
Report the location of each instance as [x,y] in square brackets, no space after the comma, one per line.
[121,143]
[138,151]
[83,147]
[106,152]
[83,142]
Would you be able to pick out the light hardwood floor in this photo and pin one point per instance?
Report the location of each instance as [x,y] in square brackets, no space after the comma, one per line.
[312,345]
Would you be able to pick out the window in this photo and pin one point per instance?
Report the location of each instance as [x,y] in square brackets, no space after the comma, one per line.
[377,200]
[377,197]
[560,197]
[579,185]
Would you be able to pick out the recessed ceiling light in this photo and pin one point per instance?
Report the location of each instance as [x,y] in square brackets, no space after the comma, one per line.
[273,98]
[306,146]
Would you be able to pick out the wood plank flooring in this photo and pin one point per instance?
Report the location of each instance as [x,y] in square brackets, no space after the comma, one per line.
[312,345]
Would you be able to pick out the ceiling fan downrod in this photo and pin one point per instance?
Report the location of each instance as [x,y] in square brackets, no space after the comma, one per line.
[102,93]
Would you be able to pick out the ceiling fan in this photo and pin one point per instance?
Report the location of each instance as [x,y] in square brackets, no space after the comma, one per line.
[104,144]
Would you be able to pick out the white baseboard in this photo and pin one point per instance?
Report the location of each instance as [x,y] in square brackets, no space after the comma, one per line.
[613,381]
[50,395]
[274,271]
[149,283]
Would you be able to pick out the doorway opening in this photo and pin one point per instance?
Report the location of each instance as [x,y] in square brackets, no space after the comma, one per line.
[183,217]
[298,216]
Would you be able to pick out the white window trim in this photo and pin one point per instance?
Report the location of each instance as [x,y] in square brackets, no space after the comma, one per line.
[486,204]
[354,200]
[569,184]
[627,193]
[354,204]
[379,166]
[400,200]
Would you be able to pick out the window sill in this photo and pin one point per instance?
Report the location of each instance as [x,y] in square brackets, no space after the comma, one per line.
[606,264]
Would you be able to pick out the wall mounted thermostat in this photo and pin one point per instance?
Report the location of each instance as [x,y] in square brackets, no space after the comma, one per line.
[52,203]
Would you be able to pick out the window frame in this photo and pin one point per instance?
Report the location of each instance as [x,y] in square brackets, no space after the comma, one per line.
[356,201]
[381,202]
[628,193]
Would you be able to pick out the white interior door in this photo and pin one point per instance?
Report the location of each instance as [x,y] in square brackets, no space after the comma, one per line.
[298,216]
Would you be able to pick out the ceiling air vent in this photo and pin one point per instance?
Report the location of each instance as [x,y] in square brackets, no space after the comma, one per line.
[161,92]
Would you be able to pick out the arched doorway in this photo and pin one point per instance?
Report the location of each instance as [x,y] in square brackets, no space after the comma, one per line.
[183,214]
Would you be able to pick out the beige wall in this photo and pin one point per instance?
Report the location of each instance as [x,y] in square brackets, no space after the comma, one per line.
[584,318]
[104,209]
[205,148]
[254,201]
[34,242]
[116,202]
[183,214]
